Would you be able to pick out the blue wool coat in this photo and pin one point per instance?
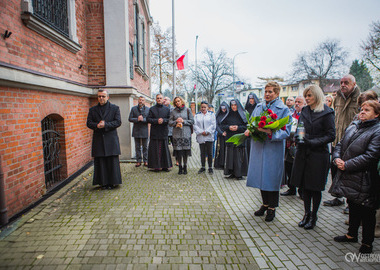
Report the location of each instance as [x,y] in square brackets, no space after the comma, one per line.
[266,160]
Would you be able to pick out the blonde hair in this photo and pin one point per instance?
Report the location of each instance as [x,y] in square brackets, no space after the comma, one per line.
[182,101]
[332,100]
[317,92]
[275,85]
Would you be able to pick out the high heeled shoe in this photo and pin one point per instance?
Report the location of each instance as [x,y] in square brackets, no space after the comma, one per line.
[312,222]
[271,213]
[261,211]
[305,220]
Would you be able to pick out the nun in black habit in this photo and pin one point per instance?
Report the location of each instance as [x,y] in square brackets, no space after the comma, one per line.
[236,163]
[252,101]
[221,136]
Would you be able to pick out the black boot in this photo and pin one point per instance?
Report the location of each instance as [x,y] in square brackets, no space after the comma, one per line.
[184,169]
[261,211]
[313,220]
[305,220]
[180,170]
[271,213]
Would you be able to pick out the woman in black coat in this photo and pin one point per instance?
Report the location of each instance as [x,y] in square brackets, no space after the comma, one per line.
[357,179]
[311,163]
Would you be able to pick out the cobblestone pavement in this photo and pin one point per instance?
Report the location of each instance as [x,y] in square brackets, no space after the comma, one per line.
[170,221]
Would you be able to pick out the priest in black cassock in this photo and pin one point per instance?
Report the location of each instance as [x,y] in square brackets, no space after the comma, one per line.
[236,164]
[104,119]
[158,150]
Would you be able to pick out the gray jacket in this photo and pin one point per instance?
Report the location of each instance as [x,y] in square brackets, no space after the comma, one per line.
[140,128]
[181,136]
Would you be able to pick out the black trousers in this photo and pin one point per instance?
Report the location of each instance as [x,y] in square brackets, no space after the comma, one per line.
[206,151]
[367,216]
[288,174]
[270,198]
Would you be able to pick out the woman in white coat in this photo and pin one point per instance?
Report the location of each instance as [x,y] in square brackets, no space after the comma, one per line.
[204,128]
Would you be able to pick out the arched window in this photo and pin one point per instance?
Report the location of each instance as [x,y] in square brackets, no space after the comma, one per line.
[52,151]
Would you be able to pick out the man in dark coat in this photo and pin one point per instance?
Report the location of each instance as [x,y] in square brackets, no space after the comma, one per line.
[104,119]
[158,150]
[346,107]
[138,117]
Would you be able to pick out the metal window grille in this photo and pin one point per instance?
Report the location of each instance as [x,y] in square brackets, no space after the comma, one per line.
[53,13]
[51,150]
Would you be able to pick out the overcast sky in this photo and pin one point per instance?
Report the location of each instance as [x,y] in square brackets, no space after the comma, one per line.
[272,32]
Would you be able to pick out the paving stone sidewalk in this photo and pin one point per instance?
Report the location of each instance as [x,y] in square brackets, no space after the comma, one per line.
[170,221]
[281,244]
[153,221]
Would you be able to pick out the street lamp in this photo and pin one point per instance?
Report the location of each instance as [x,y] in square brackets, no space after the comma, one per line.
[196,76]
[233,72]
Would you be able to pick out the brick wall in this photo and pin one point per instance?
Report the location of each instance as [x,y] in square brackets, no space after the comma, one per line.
[95,39]
[21,112]
[28,49]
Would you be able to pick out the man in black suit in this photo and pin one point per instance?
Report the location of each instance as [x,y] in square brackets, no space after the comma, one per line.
[104,119]
[138,117]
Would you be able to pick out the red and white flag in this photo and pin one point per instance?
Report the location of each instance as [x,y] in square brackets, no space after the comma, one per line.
[182,61]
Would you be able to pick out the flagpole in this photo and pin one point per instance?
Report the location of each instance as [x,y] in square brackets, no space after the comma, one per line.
[196,76]
[173,53]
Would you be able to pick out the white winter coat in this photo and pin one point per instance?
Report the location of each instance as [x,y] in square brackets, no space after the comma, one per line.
[205,122]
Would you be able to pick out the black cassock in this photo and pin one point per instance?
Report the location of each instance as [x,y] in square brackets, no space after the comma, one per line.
[158,150]
[236,160]
[105,144]
[221,140]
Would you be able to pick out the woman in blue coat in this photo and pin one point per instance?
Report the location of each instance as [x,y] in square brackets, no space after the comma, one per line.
[266,161]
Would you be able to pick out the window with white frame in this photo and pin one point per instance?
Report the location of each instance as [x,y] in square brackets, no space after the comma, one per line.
[55,20]
[140,51]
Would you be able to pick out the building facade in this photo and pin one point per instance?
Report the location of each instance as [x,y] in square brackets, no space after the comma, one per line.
[54,56]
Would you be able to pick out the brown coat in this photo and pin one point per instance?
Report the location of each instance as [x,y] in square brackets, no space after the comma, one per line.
[345,110]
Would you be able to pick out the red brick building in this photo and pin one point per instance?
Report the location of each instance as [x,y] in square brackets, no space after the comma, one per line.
[54,55]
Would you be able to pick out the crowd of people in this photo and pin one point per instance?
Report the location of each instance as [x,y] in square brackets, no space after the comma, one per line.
[340,134]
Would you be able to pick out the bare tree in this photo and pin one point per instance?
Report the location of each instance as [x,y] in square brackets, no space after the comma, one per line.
[214,74]
[371,49]
[327,61]
[162,61]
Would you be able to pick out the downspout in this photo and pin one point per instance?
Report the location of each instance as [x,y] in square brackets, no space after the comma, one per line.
[3,205]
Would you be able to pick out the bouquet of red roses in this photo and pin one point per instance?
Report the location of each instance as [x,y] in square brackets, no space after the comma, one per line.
[267,119]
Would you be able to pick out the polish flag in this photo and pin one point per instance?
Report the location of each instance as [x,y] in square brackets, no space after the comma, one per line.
[182,61]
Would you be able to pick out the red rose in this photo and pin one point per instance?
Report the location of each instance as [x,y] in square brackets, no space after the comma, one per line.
[274,116]
[261,124]
[270,111]
[283,128]
[263,118]
[271,122]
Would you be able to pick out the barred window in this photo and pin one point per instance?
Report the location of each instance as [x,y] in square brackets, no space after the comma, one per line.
[54,19]
[53,13]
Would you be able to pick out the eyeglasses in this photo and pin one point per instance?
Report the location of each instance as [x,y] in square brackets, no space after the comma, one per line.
[102,96]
